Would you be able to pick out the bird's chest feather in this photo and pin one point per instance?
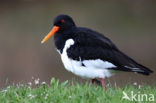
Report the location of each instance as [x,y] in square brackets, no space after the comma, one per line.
[65,59]
[90,69]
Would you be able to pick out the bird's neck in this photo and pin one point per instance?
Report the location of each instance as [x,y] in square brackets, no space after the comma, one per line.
[61,37]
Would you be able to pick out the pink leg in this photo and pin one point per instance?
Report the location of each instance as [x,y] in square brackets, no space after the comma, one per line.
[102,82]
[93,80]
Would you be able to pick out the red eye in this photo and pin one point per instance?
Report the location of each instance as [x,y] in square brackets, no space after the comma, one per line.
[62,21]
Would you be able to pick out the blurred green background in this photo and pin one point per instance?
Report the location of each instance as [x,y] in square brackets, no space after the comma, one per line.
[130,24]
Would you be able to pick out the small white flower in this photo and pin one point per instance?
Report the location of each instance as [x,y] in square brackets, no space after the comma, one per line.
[37,81]
[5,90]
[108,85]
[8,87]
[69,97]
[135,83]
[17,85]
[46,96]
[139,87]
[29,83]
[43,83]
[31,96]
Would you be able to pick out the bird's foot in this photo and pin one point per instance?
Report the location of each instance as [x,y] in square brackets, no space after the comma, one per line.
[93,80]
[103,84]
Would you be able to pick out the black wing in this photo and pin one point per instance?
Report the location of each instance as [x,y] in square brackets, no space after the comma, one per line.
[90,45]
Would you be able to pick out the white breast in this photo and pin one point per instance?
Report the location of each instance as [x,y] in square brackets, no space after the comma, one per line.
[92,69]
[67,61]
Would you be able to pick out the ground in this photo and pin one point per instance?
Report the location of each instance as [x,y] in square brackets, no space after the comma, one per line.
[76,93]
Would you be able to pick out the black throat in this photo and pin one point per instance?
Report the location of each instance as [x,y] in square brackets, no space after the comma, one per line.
[60,38]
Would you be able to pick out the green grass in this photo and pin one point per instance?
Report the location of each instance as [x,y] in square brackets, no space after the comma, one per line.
[71,93]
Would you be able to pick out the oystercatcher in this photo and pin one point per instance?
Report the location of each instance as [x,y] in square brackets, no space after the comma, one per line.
[89,54]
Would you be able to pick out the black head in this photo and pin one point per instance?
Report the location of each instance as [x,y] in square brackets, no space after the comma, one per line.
[64,22]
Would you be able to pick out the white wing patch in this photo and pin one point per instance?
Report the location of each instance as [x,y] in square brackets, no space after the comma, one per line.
[98,64]
[134,69]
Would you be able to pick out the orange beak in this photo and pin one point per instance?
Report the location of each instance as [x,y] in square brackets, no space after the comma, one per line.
[54,30]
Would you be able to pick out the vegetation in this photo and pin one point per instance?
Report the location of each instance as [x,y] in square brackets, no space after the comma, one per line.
[74,93]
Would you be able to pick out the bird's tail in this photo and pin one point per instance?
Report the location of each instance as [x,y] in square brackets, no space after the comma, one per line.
[138,68]
[132,66]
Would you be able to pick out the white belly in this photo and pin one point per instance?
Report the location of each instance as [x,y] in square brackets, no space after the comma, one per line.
[92,69]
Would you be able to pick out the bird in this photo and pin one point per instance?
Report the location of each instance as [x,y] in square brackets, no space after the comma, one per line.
[88,53]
